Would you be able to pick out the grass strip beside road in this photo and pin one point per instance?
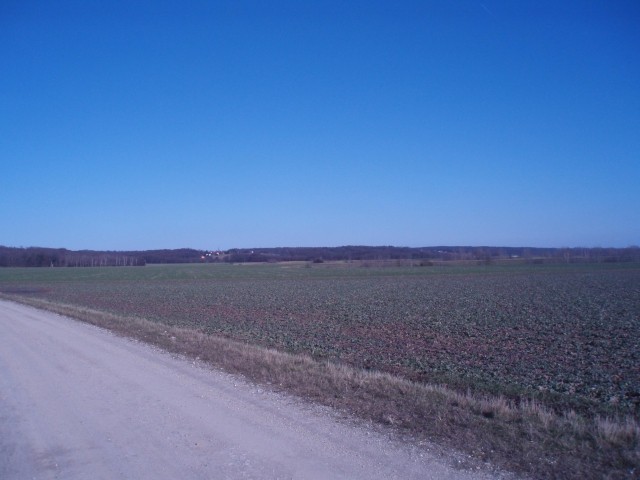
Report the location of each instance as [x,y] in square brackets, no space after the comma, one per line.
[524,437]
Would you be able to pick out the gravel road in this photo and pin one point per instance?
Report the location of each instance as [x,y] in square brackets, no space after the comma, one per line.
[78,402]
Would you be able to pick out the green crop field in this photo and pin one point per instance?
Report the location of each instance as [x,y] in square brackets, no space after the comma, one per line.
[567,334]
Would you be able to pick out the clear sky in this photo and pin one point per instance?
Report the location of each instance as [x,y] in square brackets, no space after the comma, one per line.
[168,124]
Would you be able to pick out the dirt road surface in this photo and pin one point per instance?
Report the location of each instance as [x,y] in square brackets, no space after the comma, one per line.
[78,402]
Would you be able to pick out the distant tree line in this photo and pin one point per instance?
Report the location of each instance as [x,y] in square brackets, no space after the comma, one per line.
[437,253]
[61,257]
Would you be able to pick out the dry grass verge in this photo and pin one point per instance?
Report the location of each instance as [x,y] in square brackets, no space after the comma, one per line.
[525,438]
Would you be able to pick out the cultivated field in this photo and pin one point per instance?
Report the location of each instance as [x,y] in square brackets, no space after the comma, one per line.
[565,336]
[573,331]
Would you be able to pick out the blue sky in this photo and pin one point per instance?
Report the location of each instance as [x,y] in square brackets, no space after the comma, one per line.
[167,124]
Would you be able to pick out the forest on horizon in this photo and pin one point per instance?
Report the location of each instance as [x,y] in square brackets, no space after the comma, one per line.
[61,257]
